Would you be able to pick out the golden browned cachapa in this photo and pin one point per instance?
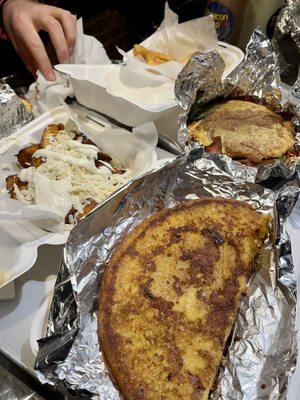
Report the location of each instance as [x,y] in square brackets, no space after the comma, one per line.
[245,130]
[170,294]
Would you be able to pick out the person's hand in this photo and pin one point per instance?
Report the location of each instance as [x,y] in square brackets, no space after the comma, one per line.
[23,19]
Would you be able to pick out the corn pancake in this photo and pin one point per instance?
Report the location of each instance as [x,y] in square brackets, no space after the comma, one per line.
[247,131]
[170,295]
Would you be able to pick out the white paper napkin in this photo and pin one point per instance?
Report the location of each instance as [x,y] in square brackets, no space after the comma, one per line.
[176,40]
[88,50]
[45,95]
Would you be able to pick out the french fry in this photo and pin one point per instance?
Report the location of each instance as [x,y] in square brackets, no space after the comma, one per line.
[161,56]
[185,59]
[150,56]
[150,60]
[139,50]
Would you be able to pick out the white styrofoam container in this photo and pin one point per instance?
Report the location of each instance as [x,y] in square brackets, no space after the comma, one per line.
[231,55]
[89,86]
[21,238]
[88,82]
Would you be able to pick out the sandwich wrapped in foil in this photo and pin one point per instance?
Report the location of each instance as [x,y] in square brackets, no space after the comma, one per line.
[261,354]
[199,86]
[13,113]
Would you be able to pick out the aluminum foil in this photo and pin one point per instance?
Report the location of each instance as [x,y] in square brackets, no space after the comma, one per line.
[286,40]
[13,113]
[288,24]
[263,345]
[199,85]
[288,21]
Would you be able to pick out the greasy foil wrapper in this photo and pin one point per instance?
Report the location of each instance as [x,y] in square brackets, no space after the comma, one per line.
[199,86]
[13,113]
[287,42]
[289,20]
[262,351]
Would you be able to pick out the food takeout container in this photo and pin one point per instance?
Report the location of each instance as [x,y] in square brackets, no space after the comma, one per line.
[262,348]
[134,92]
[180,41]
[231,55]
[89,83]
[90,89]
[23,226]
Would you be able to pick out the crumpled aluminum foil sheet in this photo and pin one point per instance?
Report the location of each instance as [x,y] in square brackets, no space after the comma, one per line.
[288,24]
[289,20]
[13,113]
[263,346]
[258,77]
[286,40]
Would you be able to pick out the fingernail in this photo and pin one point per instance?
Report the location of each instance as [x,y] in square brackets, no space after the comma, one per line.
[51,76]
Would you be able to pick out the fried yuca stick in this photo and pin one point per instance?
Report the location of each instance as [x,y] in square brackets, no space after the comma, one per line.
[151,57]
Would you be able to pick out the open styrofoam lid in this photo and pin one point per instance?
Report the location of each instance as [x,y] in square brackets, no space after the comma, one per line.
[82,72]
[146,90]
[149,91]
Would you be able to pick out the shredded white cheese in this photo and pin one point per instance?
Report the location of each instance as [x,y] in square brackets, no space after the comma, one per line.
[72,164]
[5,167]
[3,191]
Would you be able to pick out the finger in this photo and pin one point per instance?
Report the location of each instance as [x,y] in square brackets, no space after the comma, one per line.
[31,40]
[27,58]
[57,36]
[69,24]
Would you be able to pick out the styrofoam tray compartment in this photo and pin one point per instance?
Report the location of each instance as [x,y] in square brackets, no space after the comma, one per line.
[232,55]
[20,239]
[90,88]
[88,82]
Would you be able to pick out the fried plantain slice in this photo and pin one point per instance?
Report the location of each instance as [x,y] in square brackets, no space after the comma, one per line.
[13,180]
[25,155]
[101,155]
[26,103]
[71,216]
[113,170]
[37,161]
[49,134]
[88,208]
